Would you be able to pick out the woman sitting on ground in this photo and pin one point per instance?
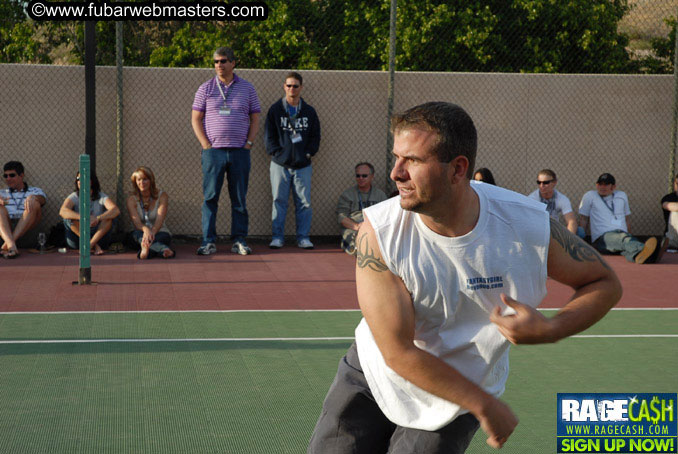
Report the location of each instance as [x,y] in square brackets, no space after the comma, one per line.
[102,212]
[147,207]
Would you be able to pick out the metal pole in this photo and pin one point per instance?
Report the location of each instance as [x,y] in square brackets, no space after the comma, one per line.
[391,88]
[119,192]
[674,139]
[85,274]
[90,92]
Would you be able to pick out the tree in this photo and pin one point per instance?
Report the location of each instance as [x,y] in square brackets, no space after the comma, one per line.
[664,50]
[517,36]
[572,36]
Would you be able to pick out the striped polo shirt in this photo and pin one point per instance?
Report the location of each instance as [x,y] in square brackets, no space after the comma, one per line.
[15,200]
[227,131]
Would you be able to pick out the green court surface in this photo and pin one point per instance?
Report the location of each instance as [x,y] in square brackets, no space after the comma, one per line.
[254,382]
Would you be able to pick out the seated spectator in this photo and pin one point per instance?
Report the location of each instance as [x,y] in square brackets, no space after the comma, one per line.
[20,210]
[352,202]
[147,208]
[670,208]
[609,210]
[483,174]
[102,212]
[557,204]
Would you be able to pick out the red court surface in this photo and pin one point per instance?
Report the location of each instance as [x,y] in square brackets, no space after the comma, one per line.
[289,278]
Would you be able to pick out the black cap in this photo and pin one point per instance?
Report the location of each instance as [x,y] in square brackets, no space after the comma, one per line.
[606,178]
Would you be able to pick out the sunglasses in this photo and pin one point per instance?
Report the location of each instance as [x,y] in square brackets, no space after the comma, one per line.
[292,85]
[544,182]
[9,175]
[362,175]
[223,61]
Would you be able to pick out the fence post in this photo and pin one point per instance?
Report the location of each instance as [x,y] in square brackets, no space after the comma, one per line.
[90,92]
[119,191]
[674,139]
[85,274]
[391,88]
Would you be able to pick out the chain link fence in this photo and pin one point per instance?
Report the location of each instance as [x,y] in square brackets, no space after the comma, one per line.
[582,87]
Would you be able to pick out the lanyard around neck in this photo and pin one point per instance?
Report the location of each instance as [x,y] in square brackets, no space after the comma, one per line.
[550,203]
[11,194]
[221,90]
[145,213]
[361,205]
[611,208]
[291,118]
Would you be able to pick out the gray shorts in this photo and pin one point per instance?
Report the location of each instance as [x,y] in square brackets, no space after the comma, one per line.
[29,239]
[351,422]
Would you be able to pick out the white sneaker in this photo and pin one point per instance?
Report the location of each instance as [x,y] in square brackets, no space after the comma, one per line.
[276,243]
[305,244]
[208,249]
[241,248]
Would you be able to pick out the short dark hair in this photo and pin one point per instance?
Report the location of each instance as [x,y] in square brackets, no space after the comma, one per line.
[485,175]
[365,164]
[457,135]
[225,52]
[14,165]
[295,75]
[548,172]
[606,178]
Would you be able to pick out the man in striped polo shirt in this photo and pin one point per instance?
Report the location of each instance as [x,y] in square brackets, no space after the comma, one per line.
[225,120]
[20,210]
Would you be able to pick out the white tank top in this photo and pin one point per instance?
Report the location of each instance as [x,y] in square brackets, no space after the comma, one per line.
[455,283]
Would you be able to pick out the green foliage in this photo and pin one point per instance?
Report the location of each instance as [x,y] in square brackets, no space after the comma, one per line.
[12,33]
[566,36]
[664,49]
[518,36]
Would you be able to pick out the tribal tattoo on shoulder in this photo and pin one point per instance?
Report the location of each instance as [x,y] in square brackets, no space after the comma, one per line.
[365,256]
[573,245]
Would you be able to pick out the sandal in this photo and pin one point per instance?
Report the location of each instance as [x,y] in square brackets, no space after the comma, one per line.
[117,248]
[11,254]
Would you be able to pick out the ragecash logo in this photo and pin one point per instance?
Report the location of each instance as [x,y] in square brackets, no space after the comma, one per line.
[620,423]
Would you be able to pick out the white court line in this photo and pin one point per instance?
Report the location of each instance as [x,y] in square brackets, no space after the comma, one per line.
[199,339]
[226,311]
[268,339]
[206,311]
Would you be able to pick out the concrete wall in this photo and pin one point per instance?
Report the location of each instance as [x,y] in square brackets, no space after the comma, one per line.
[578,125]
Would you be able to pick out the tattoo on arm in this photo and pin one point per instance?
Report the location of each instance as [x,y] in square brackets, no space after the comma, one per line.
[573,245]
[365,256]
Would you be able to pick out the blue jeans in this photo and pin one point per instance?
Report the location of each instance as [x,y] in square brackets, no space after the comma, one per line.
[235,163]
[299,180]
[73,240]
[161,241]
[618,241]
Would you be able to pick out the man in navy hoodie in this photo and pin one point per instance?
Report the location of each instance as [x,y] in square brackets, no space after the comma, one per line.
[292,137]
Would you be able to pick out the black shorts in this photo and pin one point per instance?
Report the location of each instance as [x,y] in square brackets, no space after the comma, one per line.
[351,422]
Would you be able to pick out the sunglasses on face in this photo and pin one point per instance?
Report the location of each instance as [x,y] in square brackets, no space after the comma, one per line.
[9,175]
[292,85]
[222,61]
[362,175]
[544,182]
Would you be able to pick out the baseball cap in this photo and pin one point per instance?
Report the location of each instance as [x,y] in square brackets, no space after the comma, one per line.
[606,178]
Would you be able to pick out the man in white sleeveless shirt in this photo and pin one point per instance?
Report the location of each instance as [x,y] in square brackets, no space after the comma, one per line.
[448,274]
